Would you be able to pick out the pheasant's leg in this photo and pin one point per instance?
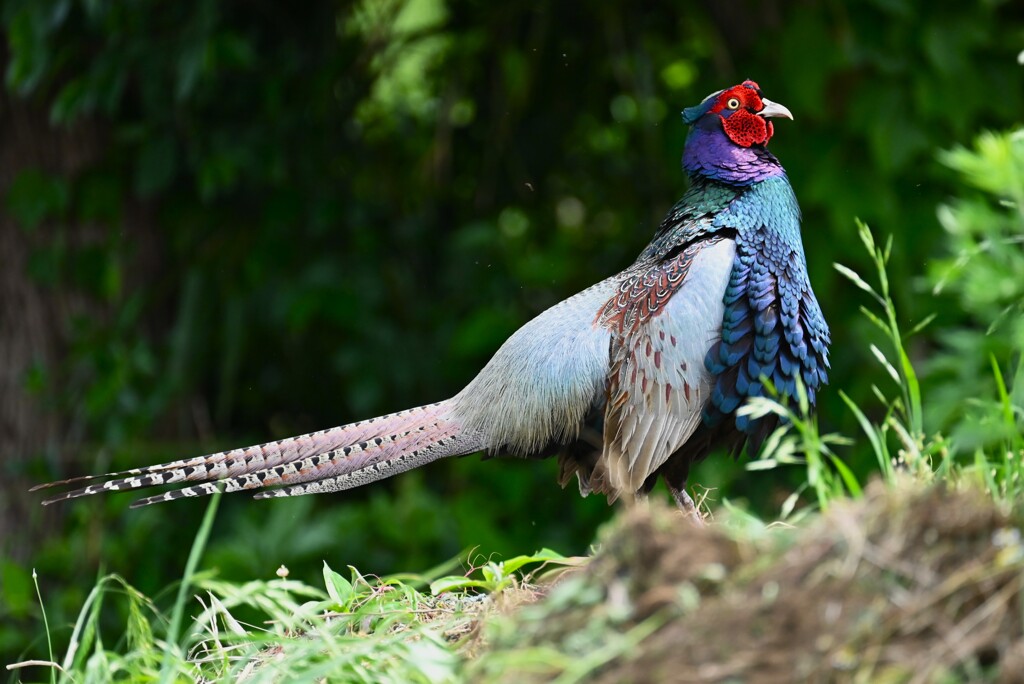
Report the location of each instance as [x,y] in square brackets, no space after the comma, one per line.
[685,503]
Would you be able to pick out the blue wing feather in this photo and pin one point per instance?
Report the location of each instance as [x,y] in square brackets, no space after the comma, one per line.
[773,326]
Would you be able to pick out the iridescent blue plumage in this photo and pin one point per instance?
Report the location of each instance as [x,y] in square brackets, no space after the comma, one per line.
[772,326]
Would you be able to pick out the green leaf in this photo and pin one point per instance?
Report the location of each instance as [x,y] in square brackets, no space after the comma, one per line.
[877,445]
[762,464]
[849,479]
[924,323]
[34,197]
[543,556]
[29,54]
[853,277]
[76,98]
[338,588]
[885,363]
[456,583]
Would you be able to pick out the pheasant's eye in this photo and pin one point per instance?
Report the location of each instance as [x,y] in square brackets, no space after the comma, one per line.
[733,103]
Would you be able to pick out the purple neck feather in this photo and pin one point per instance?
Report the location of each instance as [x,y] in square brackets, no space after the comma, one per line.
[710,153]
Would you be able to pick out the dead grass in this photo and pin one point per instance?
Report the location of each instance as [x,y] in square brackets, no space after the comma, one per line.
[905,585]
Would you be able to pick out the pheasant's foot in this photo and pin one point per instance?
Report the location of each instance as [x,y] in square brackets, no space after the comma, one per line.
[686,505]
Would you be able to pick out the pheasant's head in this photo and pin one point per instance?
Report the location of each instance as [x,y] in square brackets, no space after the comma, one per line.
[729,131]
[741,112]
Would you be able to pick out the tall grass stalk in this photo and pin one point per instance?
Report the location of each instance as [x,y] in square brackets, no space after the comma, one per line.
[909,408]
[46,625]
[173,654]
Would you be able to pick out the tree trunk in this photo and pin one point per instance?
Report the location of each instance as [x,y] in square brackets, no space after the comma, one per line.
[33,318]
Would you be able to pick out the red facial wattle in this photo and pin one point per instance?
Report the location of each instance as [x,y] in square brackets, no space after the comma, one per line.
[740,122]
[741,112]
[746,129]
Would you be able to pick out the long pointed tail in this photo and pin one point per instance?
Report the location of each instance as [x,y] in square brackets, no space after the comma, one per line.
[330,460]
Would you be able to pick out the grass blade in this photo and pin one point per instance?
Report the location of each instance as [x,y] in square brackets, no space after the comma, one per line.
[198,545]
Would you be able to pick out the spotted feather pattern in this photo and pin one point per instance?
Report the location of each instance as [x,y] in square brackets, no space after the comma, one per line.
[772,324]
[662,319]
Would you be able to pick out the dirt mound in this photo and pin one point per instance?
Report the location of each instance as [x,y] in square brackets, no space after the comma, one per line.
[905,585]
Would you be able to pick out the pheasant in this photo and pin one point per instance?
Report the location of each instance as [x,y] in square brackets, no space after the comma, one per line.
[636,377]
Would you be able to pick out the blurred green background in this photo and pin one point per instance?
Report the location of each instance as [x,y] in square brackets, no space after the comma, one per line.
[227,222]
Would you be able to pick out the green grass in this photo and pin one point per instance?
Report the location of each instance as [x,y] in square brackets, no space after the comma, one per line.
[401,629]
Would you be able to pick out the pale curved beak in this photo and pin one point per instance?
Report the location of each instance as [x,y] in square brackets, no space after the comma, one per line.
[774,109]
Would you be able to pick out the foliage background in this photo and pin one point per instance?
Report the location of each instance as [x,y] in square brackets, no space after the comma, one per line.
[225,222]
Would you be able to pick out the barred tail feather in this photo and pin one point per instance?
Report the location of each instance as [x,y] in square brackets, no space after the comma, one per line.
[237,461]
[371,473]
[305,458]
[337,471]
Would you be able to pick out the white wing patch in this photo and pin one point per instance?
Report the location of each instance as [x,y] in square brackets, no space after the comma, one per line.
[658,384]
